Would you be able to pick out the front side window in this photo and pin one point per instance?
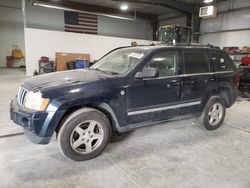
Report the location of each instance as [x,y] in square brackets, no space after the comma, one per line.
[165,62]
[220,62]
[195,62]
[119,61]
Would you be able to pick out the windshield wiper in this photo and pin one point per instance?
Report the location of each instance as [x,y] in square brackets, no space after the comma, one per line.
[114,73]
[106,72]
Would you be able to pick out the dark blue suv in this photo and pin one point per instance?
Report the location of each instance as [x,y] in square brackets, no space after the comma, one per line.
[128,88]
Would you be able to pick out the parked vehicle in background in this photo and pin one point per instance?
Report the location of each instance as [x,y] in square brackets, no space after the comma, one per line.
[128,88]
[244,68]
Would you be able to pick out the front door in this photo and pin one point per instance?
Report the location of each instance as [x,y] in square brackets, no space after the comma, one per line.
[155,99]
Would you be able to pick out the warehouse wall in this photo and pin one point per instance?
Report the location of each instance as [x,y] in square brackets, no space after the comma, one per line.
[44,18]
[52,19]
[233,20]
[139,28]
[11,28]
[47,43]
[178,21]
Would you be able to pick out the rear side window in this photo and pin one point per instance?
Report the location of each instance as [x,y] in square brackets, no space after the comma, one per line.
[220,62]
[196,62]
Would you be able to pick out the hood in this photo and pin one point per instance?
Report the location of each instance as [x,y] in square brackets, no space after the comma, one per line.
[62,78]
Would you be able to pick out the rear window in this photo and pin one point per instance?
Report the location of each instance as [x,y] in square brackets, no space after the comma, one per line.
[196,62]
[220,62]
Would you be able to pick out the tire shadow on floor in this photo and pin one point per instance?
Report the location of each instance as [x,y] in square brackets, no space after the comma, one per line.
[118,137]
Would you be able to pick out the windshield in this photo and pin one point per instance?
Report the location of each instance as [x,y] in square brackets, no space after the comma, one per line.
[119,61]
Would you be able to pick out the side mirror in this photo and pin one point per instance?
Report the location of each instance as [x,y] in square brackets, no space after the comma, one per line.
[147,73]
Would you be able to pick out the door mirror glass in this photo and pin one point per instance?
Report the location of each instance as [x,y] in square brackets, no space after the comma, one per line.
[147,73]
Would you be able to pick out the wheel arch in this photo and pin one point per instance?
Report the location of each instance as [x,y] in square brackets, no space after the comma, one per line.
[107,110]
[225,93]
[69,111]
[102,107]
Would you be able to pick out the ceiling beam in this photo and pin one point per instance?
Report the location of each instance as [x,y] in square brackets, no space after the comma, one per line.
[97,8]
[171,4]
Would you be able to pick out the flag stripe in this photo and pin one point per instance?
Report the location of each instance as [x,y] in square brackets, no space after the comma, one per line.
[88,24]
[80,31]
[87,15]
[87,20]
[83,27]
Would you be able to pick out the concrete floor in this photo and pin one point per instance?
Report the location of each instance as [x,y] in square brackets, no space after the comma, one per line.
[174,154]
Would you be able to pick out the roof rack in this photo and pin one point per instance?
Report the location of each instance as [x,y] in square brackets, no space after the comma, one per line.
[211,46]
[191,45]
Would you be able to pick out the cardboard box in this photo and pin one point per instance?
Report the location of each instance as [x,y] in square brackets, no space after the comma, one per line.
[245,50]
[62,58]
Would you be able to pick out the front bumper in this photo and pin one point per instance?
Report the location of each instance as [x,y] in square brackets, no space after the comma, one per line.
[38,126]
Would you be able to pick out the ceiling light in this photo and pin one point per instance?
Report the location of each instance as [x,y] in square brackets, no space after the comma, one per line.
[208,1]
[124,7]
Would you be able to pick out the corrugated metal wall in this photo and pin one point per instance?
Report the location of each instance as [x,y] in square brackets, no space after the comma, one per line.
[232,20]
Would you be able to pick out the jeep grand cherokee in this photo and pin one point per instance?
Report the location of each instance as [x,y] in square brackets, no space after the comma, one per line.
[128,88]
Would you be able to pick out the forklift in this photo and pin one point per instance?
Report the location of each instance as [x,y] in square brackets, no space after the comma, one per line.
[175,34]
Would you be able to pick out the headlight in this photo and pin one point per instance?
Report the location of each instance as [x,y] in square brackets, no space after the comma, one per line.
[35,101]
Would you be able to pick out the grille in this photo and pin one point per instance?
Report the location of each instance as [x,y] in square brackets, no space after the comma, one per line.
[22,93]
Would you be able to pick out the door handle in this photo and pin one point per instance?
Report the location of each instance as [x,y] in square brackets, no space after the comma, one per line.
[209,80]
[189,82]
[173,83]
[176,84]
[126,86]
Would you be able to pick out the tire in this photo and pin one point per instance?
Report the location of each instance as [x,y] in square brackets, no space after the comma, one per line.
[213,114]
[84,134]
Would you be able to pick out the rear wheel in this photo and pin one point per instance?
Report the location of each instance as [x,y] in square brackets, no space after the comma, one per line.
[84,134]
[213,114]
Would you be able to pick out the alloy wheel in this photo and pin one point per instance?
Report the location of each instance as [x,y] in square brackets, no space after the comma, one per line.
[86,137]
[215,114]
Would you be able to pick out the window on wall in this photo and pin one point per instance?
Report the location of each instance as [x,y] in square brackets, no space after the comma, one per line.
[196,62]
[165,62]
[220,62]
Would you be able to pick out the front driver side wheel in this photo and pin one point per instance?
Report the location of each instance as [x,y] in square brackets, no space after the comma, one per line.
[84,134]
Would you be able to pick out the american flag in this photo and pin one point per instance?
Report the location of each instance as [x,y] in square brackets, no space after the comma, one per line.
[80,22]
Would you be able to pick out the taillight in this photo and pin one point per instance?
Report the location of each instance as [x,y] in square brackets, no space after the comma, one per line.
[237,79]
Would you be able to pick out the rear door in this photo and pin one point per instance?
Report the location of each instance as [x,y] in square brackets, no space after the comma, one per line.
[197,79]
